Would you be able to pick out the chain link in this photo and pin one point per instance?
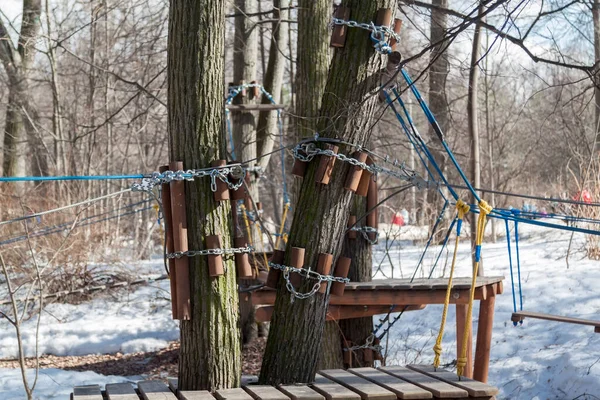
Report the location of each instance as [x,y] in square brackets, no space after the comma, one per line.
[237,172]
[235,90]
[305,273]
[368,345]
[365,230]
[210,252]
[378,33]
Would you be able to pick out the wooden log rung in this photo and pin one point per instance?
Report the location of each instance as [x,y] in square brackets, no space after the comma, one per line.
[254,107]
[521,315]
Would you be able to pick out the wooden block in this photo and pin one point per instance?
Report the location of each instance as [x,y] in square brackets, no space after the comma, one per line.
[351,222]
[300,392]
[264,392]
[255,91]
[365,178]
[475,388]
[88,392]
[338,36]
[297,262]
[372,200]
[325,167]
[155,390]
[274,274]
[195,395]
[299,168]
[355,172]
[397,28]
[215,261]
[384,17]
[342,267]
[121,391]
[168,225]
[402,389]
[367,390]
[436,387]
[222,192]
[232,394]
[332,390]
[324,268]
[242,263]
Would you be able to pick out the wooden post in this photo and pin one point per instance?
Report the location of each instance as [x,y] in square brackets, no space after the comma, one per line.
[242,264]
[353,177]
[274,274]
[215,261]
[351,222]
[243,91]
[368,357]
[365,178]
[372,200]
[255,92]
[297,262]
[338,36]
[168,225]
[484,338]
[342,267]
[325,167]
[222,192]
[180,243]
[461,319]
[324,268]
[397,28]
[384,17]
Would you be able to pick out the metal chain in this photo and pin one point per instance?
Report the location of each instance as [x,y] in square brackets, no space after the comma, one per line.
[365,230]
[378,33]
[235,90]
[222,173]
[210,252]
[305,273]
[368,345]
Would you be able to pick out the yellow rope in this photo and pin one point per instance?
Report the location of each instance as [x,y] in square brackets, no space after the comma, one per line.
[262,246]
[286,207]
[462,208]
[249,234]
[484,210]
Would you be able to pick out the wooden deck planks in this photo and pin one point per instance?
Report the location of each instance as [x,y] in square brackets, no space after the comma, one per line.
[366,389]
[121,391]
[195,395]
[155,390]
[437,388]
[300,392]
[232,394]
[402,389]
[332,390]
[89,392]
[475,388]
[264,392]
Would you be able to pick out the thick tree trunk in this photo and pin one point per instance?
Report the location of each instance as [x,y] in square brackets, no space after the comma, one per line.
[438,74]
[596,21]
[472,116]
[322,211]
[210,342]
[357,330]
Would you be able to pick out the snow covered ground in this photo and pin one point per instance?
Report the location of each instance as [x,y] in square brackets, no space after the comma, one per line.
[539,360]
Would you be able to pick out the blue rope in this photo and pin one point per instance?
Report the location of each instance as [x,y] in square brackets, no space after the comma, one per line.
[69,178]
[516,212]
[510,265]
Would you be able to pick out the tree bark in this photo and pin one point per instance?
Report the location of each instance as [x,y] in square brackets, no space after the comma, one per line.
[596,20]
[473,123]
[357,330]
[438,74]
[210,342]
[322,211]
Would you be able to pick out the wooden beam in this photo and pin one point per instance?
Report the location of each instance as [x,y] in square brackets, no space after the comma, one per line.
[519,316]
[336,313]
[383,297]
[254,107]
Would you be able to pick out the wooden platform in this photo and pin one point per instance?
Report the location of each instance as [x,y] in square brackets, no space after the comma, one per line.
[521,315]
[388,383]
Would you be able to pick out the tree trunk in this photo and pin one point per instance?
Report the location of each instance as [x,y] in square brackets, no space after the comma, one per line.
[596,19]
[322,211]
[490,138]
[357,330]
[472,116]
[210,342]
[438,74]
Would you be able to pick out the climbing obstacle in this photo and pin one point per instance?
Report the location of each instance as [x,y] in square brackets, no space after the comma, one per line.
[521,315]
[387,383]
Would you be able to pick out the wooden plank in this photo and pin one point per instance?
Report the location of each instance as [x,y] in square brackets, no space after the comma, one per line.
[300,392]
[121,391]
[367,390]
[155,390]
[195,395]
[402,389]
[475,388]
[173,384]
[556,318]
[332,390]
[232,394]
[436,387]
[88,392]
[264,392]
[254,107]
[336,313]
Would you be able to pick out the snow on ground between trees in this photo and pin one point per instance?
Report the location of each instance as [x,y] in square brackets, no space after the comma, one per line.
[539,360]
